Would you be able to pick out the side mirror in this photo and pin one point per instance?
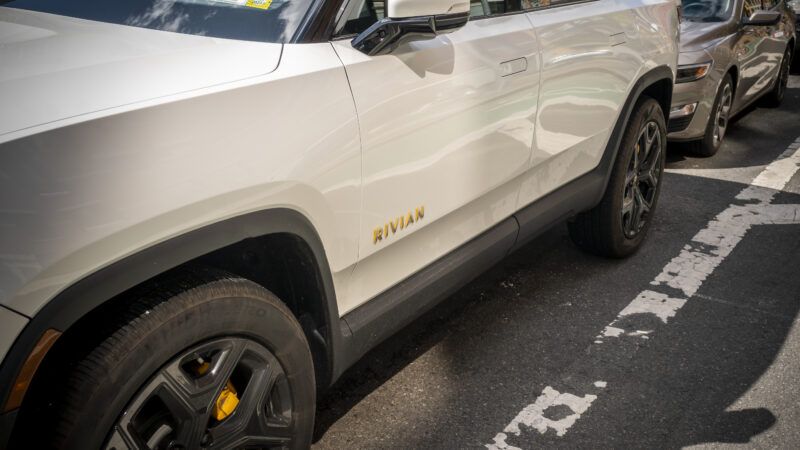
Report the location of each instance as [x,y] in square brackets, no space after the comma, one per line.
[763,18]
[412,20]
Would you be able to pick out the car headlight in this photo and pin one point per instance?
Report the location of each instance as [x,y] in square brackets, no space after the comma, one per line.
[794,5]
[692,72]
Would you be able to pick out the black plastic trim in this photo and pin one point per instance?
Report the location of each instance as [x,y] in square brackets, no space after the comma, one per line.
[386,314]
[320,23]
[679,124]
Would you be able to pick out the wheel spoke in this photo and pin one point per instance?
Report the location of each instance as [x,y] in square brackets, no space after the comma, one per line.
[629,176]
[250,423]
[651,132]
[122,439]
[175,408]
[633,221]
[627,205]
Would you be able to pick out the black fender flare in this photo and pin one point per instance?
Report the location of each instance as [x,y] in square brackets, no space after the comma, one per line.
[651,78]
[83,296]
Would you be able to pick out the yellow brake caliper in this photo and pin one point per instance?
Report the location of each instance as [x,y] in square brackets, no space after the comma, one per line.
[228,399]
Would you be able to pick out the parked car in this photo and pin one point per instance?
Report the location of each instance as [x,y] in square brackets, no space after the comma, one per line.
[211,208]
[794,5]
[733,52]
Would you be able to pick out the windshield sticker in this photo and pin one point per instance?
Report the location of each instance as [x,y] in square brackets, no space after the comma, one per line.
[260,4]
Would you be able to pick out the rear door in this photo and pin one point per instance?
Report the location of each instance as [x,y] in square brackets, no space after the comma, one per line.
[446,126]
[591,54]
[776,37]
[756,69]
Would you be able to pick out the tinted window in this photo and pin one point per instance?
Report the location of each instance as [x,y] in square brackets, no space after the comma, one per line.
[707,10]
[508,6]
[360,15]
[251,20]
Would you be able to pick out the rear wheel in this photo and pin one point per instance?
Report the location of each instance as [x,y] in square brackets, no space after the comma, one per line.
[223,364]
[718,121]
[775,96]
[618,225]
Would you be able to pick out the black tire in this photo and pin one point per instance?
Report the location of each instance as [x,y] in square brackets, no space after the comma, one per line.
[602,230]
[712,139]
[203,308]
[774,98]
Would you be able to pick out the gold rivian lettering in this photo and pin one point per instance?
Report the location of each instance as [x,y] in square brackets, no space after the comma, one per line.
[397,224]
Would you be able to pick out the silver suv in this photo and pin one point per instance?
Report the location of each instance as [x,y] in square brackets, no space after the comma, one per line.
[733,52]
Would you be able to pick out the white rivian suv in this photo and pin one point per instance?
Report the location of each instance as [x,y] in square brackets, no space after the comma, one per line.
[209,209]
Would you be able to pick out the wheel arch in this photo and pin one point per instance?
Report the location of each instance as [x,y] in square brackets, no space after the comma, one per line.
[734,73]
[231,245]
[657,83]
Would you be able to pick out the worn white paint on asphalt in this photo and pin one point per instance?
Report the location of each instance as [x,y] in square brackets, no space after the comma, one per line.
[534,415]
[680,279]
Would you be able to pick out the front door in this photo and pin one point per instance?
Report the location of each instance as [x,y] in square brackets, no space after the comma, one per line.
[446,128]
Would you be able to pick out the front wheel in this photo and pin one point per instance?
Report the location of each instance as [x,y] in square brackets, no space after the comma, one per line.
[222,364]
[718,121]
[618,225]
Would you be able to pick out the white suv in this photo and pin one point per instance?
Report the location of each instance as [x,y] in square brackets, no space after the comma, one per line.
[209,209]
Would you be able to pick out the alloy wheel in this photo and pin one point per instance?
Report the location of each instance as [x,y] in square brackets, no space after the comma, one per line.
[722,114]
[641,179]
[231,392]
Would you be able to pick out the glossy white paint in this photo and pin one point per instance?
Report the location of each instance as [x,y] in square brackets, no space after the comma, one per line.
[592,54]
[55,67]
[78,198]
[441,126]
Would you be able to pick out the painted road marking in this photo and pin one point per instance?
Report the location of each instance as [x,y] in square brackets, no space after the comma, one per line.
[678,281]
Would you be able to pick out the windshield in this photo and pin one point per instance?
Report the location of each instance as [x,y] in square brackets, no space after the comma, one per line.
[707,10]
[250,20]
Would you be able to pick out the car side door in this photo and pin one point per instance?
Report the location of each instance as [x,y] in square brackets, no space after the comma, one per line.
[590,58]
[751,51]
[446,128]
[777,35]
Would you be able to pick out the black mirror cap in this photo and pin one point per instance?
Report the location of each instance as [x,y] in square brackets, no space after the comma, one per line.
[385,35]
[763,18]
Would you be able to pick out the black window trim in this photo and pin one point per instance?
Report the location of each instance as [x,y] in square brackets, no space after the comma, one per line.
[560,4]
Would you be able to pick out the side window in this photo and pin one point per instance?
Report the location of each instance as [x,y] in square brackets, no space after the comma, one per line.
[508,6]
[359,15]
[476,8]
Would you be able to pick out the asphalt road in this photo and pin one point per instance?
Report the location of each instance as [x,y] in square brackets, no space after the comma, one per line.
[522,356]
